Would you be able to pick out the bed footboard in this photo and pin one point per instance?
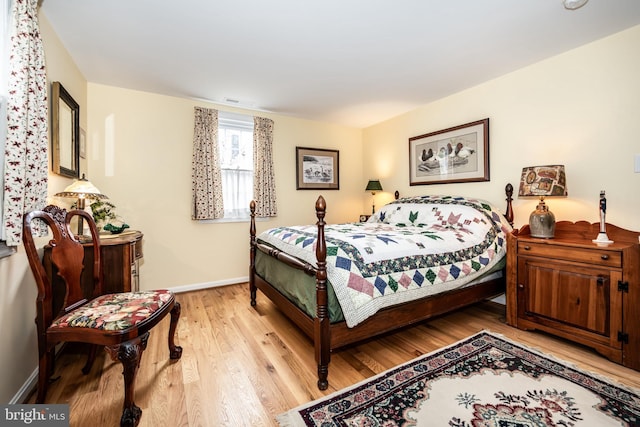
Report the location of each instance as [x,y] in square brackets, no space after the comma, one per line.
[321,324]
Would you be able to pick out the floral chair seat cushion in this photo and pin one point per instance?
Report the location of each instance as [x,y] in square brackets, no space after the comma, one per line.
[115,312]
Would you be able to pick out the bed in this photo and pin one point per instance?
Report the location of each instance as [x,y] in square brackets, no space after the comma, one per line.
[415,258]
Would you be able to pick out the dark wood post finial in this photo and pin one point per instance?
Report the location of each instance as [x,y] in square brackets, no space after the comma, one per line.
[508,189]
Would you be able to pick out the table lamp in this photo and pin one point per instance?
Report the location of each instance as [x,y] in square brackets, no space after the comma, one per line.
[373,186]
[543,181]
[81,189]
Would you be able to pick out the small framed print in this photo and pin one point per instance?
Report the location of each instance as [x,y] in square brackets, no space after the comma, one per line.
[83,144]
[317,169]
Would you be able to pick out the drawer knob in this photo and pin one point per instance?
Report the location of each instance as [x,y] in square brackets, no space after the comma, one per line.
[520,286]
[604,257]
[527,248]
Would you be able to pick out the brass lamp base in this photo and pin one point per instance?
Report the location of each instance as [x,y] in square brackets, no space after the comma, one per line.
[542,222]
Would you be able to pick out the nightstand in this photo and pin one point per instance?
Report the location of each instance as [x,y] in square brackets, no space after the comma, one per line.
[364,217]
[573,288]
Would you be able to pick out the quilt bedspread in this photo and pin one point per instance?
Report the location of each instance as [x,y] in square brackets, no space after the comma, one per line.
[411,248]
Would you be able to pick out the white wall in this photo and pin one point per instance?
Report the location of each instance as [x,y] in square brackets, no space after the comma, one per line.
[580,109]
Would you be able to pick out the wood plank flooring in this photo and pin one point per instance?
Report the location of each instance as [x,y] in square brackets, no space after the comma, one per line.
[242,366]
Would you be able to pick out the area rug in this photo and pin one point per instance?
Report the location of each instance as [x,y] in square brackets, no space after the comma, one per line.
[482,381]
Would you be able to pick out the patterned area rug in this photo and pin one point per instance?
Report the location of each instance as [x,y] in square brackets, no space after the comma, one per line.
[482,381]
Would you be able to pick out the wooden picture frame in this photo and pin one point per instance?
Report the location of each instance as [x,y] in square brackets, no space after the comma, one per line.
[317,169]
[65,132]
[83,144]
[457,154]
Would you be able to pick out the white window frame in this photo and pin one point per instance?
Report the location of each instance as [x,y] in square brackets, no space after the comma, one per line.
[242,122]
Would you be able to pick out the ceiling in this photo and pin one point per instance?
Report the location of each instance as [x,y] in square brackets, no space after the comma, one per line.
[352,62]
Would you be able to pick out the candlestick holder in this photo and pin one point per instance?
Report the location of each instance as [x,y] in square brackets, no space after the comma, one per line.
[602,238]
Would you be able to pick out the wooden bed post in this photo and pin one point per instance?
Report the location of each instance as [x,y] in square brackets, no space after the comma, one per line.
[321,335]
[252,253]
[508,190]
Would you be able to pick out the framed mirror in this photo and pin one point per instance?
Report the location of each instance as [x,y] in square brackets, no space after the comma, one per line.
[65,132]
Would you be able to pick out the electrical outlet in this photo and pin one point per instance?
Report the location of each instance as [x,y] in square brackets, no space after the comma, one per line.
[636,168]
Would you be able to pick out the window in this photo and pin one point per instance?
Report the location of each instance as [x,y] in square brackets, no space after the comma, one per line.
[235,143]
[5,14]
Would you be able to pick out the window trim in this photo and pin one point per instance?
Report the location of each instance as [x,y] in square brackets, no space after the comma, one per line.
[239,122]
[235,120]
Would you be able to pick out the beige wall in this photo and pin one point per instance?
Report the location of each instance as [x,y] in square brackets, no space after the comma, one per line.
[580,109]
[140,156]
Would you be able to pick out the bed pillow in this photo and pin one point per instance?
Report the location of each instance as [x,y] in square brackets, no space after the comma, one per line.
[429,211]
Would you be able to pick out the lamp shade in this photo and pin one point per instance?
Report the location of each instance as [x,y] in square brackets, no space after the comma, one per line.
[82,189]
[543,181]
[373,185]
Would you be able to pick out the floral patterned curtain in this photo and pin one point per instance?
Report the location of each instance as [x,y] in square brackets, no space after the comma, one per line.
[26,150]
[206,180]
[264,182]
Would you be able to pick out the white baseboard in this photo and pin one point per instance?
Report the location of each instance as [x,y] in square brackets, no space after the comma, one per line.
[207,285]
[23,394]
[500,299]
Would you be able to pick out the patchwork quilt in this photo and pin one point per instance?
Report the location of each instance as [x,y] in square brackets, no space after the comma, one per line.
[411,248]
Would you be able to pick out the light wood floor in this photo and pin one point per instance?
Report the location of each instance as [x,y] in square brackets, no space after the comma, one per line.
[242,366]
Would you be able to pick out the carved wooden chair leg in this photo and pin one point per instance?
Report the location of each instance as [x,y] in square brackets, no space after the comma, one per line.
[129,354]
[175,351]
[43,377]
[91,357]
[46,365]
[51,364]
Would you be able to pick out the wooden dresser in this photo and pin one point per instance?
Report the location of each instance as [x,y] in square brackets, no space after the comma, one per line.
[573,288]
[121,254]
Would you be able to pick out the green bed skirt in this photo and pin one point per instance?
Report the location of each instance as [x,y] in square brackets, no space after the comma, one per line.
[300,288]
[297,286]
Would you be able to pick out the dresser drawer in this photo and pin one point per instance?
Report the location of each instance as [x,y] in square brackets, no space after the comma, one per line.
[568,253]
[137,250]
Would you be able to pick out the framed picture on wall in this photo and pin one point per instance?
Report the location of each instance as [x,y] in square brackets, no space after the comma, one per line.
[317,169]
[457,154]
[83,144]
